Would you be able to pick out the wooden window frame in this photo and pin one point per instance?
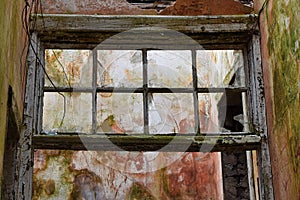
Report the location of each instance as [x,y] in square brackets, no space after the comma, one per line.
[87,31]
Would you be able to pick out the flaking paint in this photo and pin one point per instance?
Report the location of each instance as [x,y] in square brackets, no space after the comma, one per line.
[281,61]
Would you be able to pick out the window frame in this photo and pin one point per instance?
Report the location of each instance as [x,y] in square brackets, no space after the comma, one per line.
[86,31]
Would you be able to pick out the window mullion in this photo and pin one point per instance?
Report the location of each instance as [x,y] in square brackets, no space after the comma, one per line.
[145,91]
[94,93]
[40,91]
[195,91]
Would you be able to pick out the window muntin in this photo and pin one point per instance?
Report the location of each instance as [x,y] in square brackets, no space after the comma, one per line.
[142,91]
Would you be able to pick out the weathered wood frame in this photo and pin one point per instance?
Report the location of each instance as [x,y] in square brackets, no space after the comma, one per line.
[212,32]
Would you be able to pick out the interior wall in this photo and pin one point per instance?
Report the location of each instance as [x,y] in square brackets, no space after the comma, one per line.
[280,48]
[12,68]
[280,37]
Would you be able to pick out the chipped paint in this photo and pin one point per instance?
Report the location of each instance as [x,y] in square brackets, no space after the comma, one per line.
[281,60]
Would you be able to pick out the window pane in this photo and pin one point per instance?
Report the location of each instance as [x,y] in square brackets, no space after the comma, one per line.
[209,113]
[120,113]
[120,68]
[171,113]
[220,68]
[68,68]
[222,112]
[170,69]
[74,114]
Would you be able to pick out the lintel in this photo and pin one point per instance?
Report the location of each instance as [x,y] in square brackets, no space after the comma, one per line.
[87,31]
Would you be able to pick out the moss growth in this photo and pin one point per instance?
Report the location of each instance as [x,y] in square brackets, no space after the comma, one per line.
[283,47]
[10,70]
[138,192]
[57,167]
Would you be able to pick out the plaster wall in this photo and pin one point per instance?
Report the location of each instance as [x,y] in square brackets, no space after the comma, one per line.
[280,33]
[12,67]
[280,49]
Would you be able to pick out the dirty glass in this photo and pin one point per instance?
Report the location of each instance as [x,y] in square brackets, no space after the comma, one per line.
[220,68]
[223,112]
[68,68]
[171,113]
[170,69]
[119,68]
[120,113]
[67,112]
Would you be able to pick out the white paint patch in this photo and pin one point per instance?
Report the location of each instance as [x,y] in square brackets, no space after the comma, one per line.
[287,22]
[296,45]
[286,2]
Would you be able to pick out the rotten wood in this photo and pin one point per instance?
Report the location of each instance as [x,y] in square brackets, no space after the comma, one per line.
[211,32]
[228,90]
[258,116]
[25,151]
[87,31]
[142,142]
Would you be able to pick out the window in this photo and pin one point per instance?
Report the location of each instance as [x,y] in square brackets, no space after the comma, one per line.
[164,97]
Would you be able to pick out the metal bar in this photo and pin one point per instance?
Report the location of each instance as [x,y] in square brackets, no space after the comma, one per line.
[146,142]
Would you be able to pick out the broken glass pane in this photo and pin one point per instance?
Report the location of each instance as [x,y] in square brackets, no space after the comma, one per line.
[120,68]
[171,113]
[220,68]
[68,112]
[209,113]
[170,69]
[120,113]
[223,112]
[68,68]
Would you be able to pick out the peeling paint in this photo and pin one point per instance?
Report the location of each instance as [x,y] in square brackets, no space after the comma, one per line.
[282,66]
[12,70]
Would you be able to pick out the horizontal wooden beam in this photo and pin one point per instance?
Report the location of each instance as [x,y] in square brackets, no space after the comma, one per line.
[169,143]
[76,31]
[150,90]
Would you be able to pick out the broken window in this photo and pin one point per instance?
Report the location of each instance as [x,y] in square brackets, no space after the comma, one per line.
[143,91]
[145,95]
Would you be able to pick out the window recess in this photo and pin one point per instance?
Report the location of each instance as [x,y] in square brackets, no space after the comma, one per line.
[131,74]
[221,108]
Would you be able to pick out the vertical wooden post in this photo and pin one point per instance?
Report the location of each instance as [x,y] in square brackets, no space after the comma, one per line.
[257,100]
